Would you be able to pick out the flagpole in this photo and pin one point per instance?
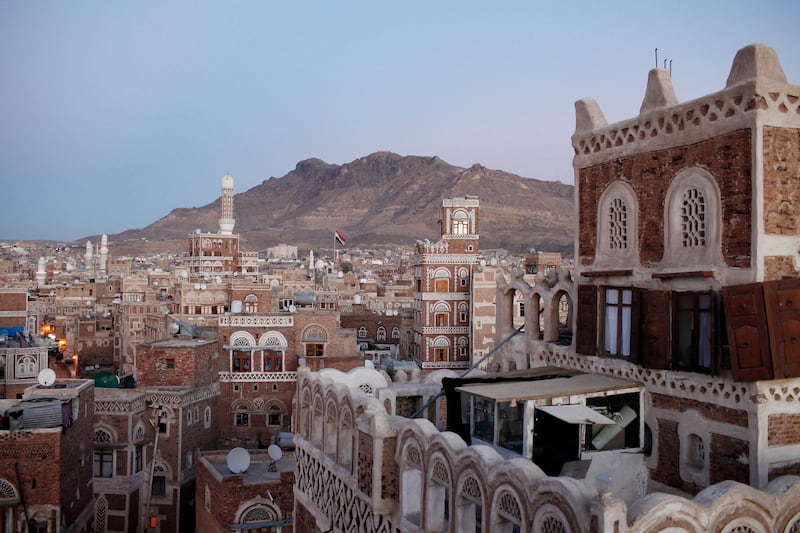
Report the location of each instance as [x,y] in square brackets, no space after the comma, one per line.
[334,249]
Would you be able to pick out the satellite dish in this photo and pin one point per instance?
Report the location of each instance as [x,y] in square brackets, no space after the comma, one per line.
[238,460]
[369,364]
[47,377]
[292,308]
[174,328]
[275,452]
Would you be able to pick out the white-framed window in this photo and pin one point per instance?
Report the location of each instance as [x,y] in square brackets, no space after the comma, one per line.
[617,236]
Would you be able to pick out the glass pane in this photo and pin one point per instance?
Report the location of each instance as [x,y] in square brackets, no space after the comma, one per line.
[704,340]
[610,342]
[612,296]
[625,339]
[627,296]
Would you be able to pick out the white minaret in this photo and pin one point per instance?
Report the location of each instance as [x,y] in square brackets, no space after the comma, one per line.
[41,273]
[311,259]
[103,254]
[89,254]
[226,221]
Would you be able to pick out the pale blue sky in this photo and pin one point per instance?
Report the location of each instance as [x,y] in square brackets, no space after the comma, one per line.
[114,113]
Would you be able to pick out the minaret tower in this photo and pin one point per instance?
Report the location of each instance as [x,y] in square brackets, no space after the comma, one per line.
[41,273]
[226,221]
[103,254]
[89,256]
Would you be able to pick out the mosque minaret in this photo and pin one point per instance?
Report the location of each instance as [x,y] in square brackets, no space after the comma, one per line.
[226,221]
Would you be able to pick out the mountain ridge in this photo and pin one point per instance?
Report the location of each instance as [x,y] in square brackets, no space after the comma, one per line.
[379,199]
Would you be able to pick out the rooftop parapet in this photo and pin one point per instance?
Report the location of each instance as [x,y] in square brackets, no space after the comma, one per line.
[756,85]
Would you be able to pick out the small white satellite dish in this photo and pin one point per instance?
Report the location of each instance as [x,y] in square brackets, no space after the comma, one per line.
[275,452]
[292,308]
[238,460]
[47,377]
[174,328]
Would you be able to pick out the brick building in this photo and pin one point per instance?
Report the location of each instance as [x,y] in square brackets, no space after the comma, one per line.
[260,498]
[46,458]
[442,286]
[686,263]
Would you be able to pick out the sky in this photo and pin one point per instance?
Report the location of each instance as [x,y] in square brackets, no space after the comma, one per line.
[114,113]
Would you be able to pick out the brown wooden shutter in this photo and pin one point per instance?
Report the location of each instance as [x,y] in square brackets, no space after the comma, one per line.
[654,339]
[586,320]
[782,300]
[747,332]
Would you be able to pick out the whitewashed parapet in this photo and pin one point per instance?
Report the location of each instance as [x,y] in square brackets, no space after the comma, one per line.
[436,471]
[756,85]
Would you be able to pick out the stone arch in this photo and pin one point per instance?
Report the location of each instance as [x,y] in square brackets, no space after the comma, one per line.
[305,413]
[470,502]
[411,486]
[331,421]
[8,493]
[258,510]
[506,509]
[438,493]
[692,220]
[346,435]
[317,421]
[274,340]
[242,338]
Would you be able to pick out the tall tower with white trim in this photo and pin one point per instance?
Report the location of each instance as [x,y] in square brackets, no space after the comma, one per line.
[226,221]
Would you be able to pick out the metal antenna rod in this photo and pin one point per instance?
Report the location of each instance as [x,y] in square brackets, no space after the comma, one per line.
[467,371]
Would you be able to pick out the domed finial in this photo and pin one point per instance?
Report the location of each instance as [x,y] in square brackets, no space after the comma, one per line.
[756,61]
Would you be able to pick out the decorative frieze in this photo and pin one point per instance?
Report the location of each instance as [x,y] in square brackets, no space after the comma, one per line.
[257,321]
[250,377]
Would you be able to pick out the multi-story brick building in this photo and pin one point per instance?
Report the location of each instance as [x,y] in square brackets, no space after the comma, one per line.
[46,458]
[442,287]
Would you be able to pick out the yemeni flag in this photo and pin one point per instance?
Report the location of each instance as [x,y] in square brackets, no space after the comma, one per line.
[339,237]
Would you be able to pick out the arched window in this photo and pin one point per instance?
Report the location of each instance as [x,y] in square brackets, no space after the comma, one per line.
[460,223]
[26,366]
[441,315]
[441,349]
[441,280]
[616,226]
[692,221]
[314,340]
[395,332]
[362,332]
[381,333]
[251,303]
[241,360]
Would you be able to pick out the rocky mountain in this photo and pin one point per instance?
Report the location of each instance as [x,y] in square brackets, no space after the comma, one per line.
[380,199]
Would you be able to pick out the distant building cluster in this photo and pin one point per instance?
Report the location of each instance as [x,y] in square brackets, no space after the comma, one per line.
[650,385]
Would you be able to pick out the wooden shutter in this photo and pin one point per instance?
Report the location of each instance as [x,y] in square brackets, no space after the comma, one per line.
[654,339]
[747,332]
[782,300]
[586,320]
